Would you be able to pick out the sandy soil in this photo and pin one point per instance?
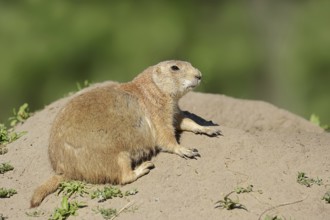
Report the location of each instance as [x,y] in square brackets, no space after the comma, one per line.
[261,145]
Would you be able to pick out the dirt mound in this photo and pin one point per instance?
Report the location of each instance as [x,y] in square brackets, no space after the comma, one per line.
[262,145]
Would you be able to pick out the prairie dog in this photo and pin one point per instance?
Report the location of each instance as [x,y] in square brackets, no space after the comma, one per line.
[109,134]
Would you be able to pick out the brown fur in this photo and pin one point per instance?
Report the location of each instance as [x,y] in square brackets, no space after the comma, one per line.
[109,134]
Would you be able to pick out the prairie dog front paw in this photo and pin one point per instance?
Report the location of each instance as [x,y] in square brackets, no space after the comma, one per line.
[210,131]
[187,153]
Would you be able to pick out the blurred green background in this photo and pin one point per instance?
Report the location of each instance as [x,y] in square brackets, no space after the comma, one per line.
[277,51]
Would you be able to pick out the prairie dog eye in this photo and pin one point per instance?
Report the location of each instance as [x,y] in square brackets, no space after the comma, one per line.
[175,68]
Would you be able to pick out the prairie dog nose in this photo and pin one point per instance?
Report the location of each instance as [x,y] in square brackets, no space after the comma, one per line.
[198,76]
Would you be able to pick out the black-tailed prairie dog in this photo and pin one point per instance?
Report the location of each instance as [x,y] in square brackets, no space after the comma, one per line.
[108,134]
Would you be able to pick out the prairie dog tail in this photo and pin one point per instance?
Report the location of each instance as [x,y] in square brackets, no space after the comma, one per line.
[45,189]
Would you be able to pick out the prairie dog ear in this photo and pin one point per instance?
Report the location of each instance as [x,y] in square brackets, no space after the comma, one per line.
[155,76]
[158,69]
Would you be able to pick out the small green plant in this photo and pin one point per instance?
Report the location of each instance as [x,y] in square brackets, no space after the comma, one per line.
[326,197]
[270,217]
[316,120]
[306,181]
[3,149]
[4,135]
[240,190]
[7,193]
[110,213]
[7,135]
[36,213]
[131,192]
[229,204]
[5,167]
[107,193]
[111,192]
[67,208]
[21,115]
[85,84]
[107,213]
[73,187]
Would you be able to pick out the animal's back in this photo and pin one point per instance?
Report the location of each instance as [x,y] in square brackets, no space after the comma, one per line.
[92,130]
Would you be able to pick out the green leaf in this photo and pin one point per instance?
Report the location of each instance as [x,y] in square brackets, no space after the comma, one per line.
[306,181]
[315,119]
[5,167]
[65,203]
[248,189]
[20,116]
[326,197]
[6,193]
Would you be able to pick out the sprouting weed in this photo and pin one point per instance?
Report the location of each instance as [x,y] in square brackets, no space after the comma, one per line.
[326,197]
[67,209]
[3,149]
[306,181]
[131,192]
[7,193]
[316,120]
[85,84]
[5,167]
[36,213]
[109,192]
[229,204]
[8,135]
[73,187]
[240,190]
[107,213]
[21,115]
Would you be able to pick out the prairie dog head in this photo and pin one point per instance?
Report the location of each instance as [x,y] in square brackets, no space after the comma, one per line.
[176,77]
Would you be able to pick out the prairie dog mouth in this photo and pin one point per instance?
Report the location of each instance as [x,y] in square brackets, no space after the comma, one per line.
[191,84]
